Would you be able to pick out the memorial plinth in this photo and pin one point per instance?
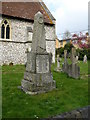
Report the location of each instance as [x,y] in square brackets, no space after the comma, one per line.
[38,77]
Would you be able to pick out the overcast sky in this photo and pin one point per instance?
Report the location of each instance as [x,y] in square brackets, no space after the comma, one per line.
[70,15]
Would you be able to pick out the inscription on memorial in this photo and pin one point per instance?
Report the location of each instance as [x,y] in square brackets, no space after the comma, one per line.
[42,64]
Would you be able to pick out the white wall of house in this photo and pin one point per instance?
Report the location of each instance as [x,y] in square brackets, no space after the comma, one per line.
[14,49]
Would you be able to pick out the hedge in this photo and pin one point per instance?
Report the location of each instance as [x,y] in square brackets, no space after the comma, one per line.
[79,52]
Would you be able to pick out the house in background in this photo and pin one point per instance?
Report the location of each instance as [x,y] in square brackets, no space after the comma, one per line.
[61,43]
[57,43]
[77,41]
[16,30]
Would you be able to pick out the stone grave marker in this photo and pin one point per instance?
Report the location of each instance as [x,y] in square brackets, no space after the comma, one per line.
[77,59]
[73,54]
[65,65]
[38,77]
[85,59]
[58,64]
[73,69]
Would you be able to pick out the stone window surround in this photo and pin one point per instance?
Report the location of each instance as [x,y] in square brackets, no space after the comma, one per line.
[29,33]
[2,22]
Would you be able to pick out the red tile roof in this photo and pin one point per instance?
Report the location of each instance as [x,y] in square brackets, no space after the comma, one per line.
[26,10]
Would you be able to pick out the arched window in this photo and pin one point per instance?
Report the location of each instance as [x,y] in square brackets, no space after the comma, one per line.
[5,30]
[2,31]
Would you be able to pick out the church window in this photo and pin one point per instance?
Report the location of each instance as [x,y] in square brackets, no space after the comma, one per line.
[2,31]
[5,29]
[7,32]
[29,33]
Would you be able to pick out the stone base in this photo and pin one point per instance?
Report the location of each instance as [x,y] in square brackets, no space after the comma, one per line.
[74,71]
[37,83]
[38,77]
[65,68]
[58,70]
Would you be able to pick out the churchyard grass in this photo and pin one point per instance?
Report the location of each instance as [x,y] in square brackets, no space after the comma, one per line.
[69,94]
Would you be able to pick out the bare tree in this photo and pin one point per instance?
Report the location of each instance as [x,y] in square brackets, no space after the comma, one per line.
[67,35]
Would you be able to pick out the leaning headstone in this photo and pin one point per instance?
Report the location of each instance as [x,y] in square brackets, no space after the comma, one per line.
[73,69]
[65,64]
[85,59]
[38,77]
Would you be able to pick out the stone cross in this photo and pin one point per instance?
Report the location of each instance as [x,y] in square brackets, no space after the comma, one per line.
[38,39]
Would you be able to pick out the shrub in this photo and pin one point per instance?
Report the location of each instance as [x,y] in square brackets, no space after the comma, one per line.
[68,47]
[60,51]
[82,53]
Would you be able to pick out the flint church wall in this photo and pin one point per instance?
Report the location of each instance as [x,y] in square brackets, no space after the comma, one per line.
[15,49]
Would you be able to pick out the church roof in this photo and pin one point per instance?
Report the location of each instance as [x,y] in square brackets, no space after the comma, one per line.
[26,10]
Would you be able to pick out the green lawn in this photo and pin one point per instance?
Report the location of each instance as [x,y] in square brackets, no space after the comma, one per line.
[69,94]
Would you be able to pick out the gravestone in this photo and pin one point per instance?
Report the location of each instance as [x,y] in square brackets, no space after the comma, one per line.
[76,59]
[58,64]
[73,54]
[73,69]
[38,77]
[65,64]
[85,59]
